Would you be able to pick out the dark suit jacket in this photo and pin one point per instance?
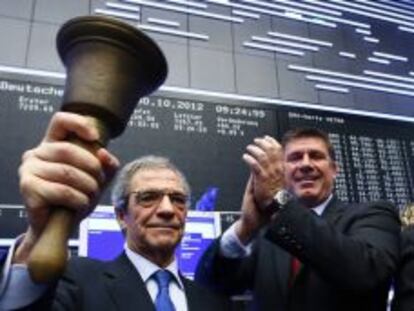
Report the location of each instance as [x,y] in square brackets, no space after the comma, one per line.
[404,281]
[92,285]
[349,255]
[3,256]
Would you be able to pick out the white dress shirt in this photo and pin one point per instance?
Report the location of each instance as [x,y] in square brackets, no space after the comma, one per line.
[147,268]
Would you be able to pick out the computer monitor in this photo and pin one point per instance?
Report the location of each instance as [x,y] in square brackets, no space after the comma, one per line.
[100,237]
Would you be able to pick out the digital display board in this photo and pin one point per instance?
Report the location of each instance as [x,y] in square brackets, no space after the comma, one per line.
[205,135]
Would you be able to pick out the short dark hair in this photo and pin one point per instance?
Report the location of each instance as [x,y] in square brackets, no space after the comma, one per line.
[309,132]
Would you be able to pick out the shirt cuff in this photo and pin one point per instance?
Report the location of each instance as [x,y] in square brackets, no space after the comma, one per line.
[231,246]
[16,287]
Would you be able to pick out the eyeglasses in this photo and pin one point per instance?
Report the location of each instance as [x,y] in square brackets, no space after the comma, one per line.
[151,198]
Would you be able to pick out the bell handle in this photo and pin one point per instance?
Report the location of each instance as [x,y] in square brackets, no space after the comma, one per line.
[47,260]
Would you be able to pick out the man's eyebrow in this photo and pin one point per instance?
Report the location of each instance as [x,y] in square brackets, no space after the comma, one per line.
[294,153]
[170,190]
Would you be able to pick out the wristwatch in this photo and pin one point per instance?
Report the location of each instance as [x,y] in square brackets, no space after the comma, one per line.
[280,199]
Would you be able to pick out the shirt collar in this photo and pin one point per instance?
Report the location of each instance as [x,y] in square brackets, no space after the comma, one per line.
[321,207]
[146,268]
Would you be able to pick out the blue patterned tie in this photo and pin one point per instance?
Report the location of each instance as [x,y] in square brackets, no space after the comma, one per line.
[163,301]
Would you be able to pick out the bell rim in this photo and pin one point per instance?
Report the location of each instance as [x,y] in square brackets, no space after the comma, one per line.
[95,28]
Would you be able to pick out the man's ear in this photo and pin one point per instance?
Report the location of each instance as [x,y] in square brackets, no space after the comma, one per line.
[121,214]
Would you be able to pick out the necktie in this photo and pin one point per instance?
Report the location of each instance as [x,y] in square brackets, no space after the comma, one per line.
[295,266]
[163,301]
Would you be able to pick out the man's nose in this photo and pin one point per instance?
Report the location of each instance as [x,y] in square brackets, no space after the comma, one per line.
[165,205]
[306,162]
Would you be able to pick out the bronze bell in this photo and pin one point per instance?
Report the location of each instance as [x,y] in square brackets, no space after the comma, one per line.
[110,65]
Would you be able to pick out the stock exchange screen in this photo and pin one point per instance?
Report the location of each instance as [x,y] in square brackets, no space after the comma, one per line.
[205,136]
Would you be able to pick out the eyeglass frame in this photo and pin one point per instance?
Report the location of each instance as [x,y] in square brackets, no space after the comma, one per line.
[161,194]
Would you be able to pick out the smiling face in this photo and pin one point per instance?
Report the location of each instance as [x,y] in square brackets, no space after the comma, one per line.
[155,229]
[309,170]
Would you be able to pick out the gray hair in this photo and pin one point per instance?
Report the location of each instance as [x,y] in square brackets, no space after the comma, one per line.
[122,182]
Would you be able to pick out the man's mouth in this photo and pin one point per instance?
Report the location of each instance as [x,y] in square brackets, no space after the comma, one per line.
[306,179]
[164,226]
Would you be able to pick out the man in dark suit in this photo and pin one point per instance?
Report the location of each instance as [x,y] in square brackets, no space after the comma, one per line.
[150,196]
[296,247]
[404,280]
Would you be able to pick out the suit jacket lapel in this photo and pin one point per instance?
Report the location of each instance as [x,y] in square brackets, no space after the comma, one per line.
[333,211]
[194,302]
[331,214]
[126,287]
[282,260]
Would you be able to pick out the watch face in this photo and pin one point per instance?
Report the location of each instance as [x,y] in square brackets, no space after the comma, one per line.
[283,197]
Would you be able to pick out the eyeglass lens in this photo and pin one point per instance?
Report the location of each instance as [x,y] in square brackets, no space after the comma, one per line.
[154,197]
